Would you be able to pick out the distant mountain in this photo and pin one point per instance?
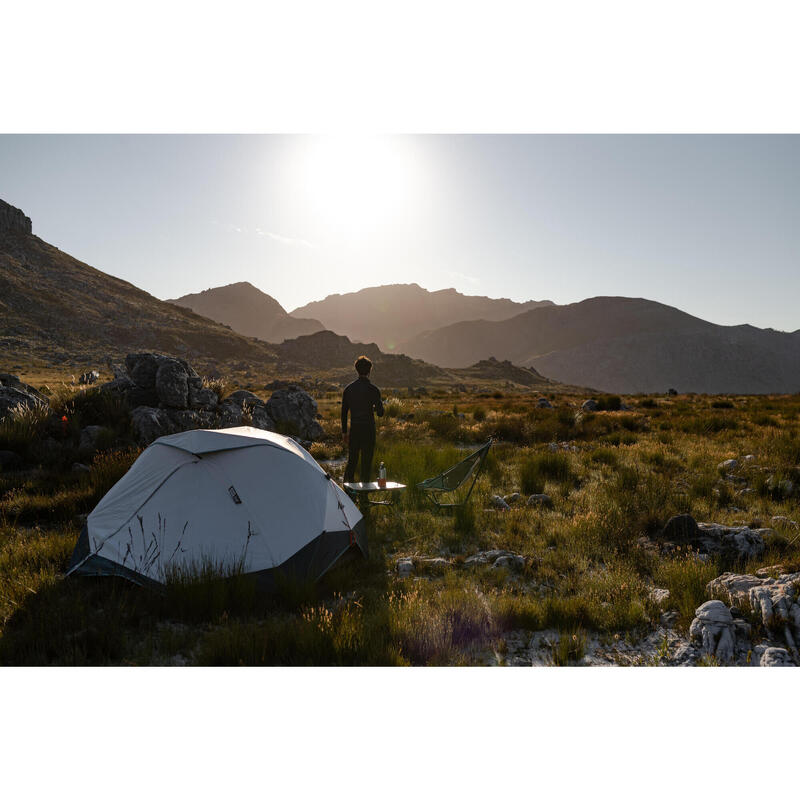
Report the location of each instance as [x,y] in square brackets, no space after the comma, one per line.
[627,345]
[334,355]
[55,309]
[248,311]
[388,315]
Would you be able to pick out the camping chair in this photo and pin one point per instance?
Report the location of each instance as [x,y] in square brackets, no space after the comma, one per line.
[454,478]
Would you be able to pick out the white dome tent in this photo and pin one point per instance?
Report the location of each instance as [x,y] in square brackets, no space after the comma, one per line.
[240,499]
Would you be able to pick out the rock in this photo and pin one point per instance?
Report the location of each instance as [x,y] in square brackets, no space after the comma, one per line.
[728,465]
[405,567]
[741,542]
[499,503]
[659,596]
[749,459]
[202,398]
[9,460]
[259,418]
[89,377]
[438,564]
[680,528]
[540,501]
[147,424]
[776,657]
[785,521]
[512,498]
[13,398]
[83,468]
[245,399]
[509,561]
[142,369]
[713,629]
[172,384]
[295,411]
[589,405]
[543,402]
[13,219]
[89,436]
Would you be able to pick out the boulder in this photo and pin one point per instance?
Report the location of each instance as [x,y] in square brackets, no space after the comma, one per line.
[509,561]
[540,501]
[405,567]
[89,437]
[543,402]
[12,399]
[172,384]
[202,398]
[713,629]
[728,465]
[589,405]
[245,399]
[776,657]
[499,503]
[515,497]
[295,411]
[740,542]
[147,424]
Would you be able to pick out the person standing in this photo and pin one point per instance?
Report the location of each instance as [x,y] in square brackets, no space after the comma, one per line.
[361,398]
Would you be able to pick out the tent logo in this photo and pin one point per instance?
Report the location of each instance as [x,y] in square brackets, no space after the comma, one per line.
[234,496]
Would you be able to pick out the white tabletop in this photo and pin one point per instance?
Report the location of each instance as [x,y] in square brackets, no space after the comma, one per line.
[372,486]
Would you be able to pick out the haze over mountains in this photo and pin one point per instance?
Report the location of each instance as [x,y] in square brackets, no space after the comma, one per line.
[388,315]
[248,311]
[624,344]
[55,309]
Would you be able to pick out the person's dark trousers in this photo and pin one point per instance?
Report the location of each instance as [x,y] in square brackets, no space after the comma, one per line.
[362,448]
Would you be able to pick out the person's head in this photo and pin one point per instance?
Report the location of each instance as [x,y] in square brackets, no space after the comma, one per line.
[363,366]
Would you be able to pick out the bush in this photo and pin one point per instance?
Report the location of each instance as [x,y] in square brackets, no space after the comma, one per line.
[609,402]
[393,407]
[542,467]
[22,427]
[479,414]
[446,426]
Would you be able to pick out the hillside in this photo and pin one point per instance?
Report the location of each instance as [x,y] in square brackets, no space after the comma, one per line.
[55,309]
[390,314]
[625,345]
[248,311]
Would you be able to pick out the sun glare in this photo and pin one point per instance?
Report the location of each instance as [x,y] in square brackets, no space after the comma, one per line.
[357,184]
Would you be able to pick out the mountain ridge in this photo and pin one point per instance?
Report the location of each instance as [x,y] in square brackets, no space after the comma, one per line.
[249,311]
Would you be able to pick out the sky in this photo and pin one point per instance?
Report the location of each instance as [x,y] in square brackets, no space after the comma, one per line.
[709,224]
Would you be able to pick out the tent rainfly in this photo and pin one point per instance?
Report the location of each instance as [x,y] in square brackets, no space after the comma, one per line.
[239,499]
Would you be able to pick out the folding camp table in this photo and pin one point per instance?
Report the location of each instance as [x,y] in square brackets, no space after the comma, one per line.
[365,489]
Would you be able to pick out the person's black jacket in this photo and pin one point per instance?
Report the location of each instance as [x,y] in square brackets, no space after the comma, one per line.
[361,398]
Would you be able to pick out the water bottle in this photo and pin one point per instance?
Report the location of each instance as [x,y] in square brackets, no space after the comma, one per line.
[382,475]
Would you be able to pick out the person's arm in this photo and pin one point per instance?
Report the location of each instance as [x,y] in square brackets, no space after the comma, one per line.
[378,403]
[345,409]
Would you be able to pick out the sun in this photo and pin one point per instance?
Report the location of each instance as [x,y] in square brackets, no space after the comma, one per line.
[357,185]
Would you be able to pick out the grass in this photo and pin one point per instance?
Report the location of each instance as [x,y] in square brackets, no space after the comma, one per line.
[591,560]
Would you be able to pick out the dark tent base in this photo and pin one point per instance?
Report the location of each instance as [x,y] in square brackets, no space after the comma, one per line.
[309,563]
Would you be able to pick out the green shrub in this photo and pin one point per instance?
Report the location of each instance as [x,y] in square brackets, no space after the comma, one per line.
[538,468]
[22,427]
[609,402]
[393,407]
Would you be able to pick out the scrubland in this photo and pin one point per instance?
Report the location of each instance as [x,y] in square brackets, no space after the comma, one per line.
[591,557]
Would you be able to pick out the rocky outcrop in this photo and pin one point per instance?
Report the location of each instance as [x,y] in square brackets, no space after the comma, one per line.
[295,411]
[774,599]
[13,219]
[15,394]
[167,396]
[711,538]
